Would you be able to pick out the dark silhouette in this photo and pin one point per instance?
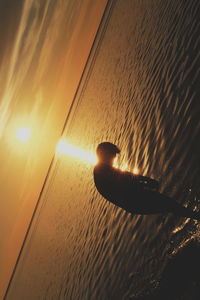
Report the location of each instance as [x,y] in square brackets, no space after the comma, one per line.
[134,193]
[180,276]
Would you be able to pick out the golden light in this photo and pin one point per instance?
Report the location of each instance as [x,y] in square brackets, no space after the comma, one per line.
[124,167]
[116,163]
[135,171]
[63,147]
[23,134]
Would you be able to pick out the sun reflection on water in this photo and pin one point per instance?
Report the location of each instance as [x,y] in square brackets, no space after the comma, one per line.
[65,148]
[135,171]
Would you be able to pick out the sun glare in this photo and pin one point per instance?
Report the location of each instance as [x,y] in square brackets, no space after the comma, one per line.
[124,167]
[63,147]
[135,171]
[23,134]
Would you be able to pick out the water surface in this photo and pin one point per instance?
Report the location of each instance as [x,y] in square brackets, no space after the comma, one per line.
[142,93]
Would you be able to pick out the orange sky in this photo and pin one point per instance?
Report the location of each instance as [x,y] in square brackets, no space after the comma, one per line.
[40,71]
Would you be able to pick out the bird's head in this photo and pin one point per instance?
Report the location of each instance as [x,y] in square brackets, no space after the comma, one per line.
[106,153]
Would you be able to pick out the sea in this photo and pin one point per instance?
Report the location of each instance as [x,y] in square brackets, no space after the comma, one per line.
[140,90]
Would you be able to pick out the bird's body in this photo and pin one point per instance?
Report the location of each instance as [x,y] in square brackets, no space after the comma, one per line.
[128,191]
[134,193]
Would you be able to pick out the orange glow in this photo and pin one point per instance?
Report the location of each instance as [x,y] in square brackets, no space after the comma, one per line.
[23,134]
[135,171]
[124,167]
[115,163]
[26,154]
[65,148]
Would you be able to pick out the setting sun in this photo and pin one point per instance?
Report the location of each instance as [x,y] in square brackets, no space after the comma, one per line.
[23,134]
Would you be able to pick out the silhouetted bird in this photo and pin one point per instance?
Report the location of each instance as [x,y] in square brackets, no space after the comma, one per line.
[134,193]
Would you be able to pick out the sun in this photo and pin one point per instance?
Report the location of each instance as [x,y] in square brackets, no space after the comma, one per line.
[23,134]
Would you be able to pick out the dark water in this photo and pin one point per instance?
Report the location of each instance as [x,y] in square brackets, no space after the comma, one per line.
[142,93]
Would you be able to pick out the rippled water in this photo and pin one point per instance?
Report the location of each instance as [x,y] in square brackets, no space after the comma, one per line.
[142,93]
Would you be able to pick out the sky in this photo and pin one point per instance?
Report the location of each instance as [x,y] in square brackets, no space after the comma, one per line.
[43,51]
